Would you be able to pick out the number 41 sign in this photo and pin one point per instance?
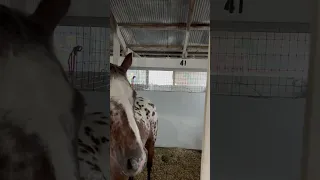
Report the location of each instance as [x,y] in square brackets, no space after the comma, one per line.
[183,63]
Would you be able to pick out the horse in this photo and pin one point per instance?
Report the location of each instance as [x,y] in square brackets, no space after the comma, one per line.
[40,111]
[94,137]
[133,128]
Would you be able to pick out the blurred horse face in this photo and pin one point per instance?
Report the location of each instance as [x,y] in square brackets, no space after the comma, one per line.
[125,144]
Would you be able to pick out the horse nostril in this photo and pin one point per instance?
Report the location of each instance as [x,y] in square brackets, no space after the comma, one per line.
[129,164]
[132,164]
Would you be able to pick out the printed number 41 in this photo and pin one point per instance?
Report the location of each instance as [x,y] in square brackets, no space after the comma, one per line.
[183,63]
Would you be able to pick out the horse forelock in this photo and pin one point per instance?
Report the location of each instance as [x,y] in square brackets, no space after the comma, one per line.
[122,98]
[121,125]
[122,95]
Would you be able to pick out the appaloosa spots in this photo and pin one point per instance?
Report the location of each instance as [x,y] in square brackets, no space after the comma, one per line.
[88,130]
[95,140]
[104,139]
[92,139]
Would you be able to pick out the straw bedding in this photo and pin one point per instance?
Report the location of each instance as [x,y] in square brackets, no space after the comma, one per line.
[174,164]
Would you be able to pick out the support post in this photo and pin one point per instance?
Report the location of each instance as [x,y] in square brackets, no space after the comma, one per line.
[205,158]
[310,161]
[116,49]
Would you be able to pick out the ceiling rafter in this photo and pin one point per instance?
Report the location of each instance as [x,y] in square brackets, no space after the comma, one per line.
[165,27]
[117,32]
[192,4]
[195,50]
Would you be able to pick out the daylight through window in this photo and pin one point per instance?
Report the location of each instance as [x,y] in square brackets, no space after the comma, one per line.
[161,78]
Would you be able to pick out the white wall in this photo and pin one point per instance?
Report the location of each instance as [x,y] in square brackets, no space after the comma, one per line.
[251,138]
[180,116]
[256,138]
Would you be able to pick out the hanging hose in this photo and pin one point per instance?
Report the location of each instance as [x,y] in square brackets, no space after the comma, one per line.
[72,59]
[132,81]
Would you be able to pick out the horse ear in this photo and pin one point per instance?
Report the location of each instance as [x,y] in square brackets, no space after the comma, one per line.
[127,62]
[49,13]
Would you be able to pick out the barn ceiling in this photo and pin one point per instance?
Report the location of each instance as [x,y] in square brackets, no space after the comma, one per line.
[154,28]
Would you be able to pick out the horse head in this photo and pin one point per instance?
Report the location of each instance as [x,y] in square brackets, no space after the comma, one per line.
[35,90]
[125,144]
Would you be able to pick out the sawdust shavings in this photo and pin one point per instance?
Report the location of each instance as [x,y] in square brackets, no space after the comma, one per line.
[174,164]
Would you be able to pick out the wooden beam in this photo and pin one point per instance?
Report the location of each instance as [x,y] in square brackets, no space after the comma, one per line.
[157,55]
[189,21]
[171,54]
[171,48]
[117,31]
[160,26]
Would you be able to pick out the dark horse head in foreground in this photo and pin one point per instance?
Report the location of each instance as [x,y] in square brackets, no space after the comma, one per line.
[40,111]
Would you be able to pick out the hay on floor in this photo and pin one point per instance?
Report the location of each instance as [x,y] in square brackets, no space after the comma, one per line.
[174,164]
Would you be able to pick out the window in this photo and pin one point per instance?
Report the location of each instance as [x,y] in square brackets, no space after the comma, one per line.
[162,78]
[141,76]
[190,78]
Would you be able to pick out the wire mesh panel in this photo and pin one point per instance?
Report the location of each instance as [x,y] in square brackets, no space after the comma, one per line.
[264,64]
[190,81]
[167,80]
[84,54]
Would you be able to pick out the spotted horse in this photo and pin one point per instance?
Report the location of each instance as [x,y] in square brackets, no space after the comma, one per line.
[93,142]
[132,136]
[93,147]
[132,139]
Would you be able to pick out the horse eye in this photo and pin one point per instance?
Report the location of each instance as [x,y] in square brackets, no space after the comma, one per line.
[114,113]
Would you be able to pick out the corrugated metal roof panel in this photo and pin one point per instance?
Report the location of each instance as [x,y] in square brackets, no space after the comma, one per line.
[202,12]
[152,37]
[199,38]
[150,11]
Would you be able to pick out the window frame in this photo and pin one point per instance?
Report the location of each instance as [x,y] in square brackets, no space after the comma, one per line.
[173,85]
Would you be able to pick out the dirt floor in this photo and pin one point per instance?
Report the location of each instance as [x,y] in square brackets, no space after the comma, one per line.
[174,164]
